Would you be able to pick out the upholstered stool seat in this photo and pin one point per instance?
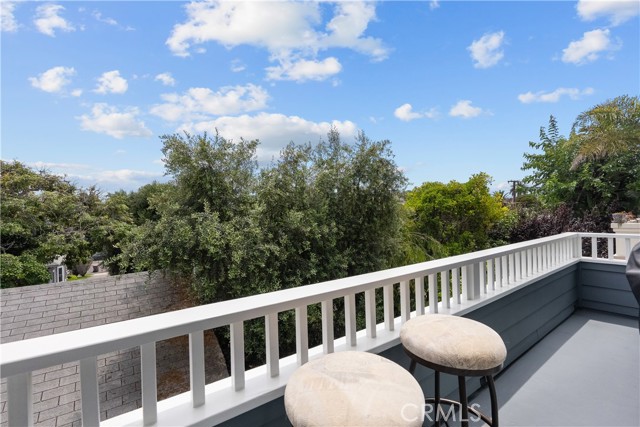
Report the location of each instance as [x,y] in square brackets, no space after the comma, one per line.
[353,388]
[458,346]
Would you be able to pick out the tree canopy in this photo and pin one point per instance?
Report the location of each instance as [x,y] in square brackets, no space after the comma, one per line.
[596,170]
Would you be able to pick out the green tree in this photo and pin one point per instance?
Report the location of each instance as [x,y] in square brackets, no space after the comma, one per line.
[591,181]
[607,130]
[44,216]
[458,215]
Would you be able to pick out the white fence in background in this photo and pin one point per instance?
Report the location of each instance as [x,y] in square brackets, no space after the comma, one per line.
[465,282]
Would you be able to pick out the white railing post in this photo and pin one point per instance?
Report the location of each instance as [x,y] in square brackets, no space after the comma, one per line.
[473,281]
[302,335]
[627,248]
[504,279]
[89,392]
[483,276]
[237,355]
[490,276]
[272,344]
[350,319]
[326,307]
[445,286]
[419,285]
[149,383]
[370,312]
[196,368]
[405,301]
[387,294]
[20,400]
[433,293]
[455,283]
[594,247]
[519,266]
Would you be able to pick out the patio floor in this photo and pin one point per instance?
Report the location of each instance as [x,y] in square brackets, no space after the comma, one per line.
[586,372]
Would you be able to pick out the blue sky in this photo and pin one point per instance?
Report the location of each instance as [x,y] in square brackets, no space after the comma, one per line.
[457,87]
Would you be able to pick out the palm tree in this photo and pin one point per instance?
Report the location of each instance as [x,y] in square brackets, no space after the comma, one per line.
[607,129]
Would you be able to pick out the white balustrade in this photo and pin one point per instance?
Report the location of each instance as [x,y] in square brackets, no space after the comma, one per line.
[463,281]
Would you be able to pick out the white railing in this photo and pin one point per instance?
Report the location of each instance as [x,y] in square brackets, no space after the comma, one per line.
[465,281]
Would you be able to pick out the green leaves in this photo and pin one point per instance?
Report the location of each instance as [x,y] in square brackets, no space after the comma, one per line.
[457,215]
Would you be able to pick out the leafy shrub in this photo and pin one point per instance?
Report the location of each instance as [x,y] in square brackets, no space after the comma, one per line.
[21,270]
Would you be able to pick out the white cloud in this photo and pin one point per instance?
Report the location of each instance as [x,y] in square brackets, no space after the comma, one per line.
[434,4]
[58,166]
[275,131]
[76,92]
[200,103]
[237,66]
[105,20]
[8,22]
[616,11]
[573,93]
[53,80]
[111,82]
[303,70]
[406,114]
[290,31]
[465,110]
[48,20]
[166,79]
[108,120]
[589,47]
[486,51]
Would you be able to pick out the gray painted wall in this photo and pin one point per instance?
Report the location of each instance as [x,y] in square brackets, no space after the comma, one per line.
[522,319]
[605,287]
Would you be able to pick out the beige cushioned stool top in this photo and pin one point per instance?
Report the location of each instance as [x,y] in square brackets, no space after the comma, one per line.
[353,388]
[453,341]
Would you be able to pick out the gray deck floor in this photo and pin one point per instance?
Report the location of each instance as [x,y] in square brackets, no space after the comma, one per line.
[584,373]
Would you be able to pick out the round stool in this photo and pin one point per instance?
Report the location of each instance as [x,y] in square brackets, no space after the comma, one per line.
[353,388]
[458,346]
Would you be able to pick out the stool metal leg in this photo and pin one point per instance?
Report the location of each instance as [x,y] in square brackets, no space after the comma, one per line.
[437,397]
[494,401]
[464,416]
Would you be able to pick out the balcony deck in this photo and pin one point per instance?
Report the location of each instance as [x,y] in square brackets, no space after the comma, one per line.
[586,372]
[564,367]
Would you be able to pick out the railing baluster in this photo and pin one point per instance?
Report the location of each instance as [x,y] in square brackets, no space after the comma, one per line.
[519,266]
[483,276]
[594,247]
[445,285]
[433,293]
[149,384]
[504,280]
[387,294]
[89,392]
[326,307]
[370,312]
[490,277]
[610,248]
[512,270]
[196,370]
[20,400]
[302,335]
[405,301]
[237,355]
[350,319]
[455,283]
[272,344]
[627,248]
[419,285]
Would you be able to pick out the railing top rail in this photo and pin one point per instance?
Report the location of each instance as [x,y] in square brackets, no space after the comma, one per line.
[610,235]
[37,353]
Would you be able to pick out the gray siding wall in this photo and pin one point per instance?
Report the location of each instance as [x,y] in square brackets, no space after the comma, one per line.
[605,287]
[521,318]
